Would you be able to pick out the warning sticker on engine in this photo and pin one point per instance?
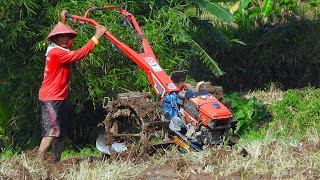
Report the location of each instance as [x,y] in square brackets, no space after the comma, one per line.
[154,65]
[157,85]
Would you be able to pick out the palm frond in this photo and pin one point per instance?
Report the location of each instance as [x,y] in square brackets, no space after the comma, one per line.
[206,28]
[211,63]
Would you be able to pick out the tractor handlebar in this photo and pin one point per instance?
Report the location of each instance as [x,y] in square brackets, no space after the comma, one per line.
[100,8]
[145,59]
[96,8]
[129,17]
[69,16]
[76,18]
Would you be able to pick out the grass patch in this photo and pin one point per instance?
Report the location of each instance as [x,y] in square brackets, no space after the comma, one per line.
[272,156]
[272,94]
[104,170]
[297,113]
[84,152]
[7,153]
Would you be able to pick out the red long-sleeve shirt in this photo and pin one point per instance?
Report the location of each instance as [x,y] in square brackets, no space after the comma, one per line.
[57,70]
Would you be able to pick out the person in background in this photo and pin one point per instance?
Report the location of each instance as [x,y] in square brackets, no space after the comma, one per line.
[53,93]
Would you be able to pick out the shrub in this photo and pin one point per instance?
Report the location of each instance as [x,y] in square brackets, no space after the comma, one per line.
[251,113]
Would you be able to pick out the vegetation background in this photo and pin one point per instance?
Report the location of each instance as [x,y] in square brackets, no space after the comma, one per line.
[247,45]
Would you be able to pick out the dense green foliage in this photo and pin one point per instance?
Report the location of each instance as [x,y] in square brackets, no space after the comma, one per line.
[283,53]
[257,42]
[278,46]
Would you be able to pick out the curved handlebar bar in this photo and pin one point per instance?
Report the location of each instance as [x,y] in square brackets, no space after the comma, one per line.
[124,13]
[96,8]
[100,8]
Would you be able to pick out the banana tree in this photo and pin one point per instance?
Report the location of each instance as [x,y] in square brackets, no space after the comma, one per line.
[217,9]
[267,10]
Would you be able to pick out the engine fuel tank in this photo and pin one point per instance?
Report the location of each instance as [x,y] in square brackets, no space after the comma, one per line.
[204,108]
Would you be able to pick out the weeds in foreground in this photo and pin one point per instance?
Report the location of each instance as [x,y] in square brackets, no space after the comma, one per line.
[277,157]
[250,113]
[102,170]
[298,112]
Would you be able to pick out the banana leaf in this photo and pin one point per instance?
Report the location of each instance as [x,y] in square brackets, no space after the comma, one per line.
[267,7]
[215,9]
[244,3]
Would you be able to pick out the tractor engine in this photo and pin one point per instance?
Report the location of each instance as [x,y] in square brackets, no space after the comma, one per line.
[206,119]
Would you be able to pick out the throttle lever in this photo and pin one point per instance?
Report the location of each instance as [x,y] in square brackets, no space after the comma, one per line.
[68,16]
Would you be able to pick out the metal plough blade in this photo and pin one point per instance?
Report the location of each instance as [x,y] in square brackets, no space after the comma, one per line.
[117,147]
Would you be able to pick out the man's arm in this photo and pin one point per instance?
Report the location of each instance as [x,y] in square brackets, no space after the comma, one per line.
[71,56]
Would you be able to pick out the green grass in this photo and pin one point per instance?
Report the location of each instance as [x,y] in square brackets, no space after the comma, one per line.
[84,152]
[297,113]
[7,153]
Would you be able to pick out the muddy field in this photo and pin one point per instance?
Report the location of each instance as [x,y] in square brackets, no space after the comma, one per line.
[172,168]
[166,164]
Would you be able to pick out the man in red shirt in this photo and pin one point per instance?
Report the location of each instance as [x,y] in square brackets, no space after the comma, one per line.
[54,89]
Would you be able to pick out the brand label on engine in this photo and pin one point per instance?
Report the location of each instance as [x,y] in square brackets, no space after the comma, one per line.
[192,109]
[154,65]
[171,86]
